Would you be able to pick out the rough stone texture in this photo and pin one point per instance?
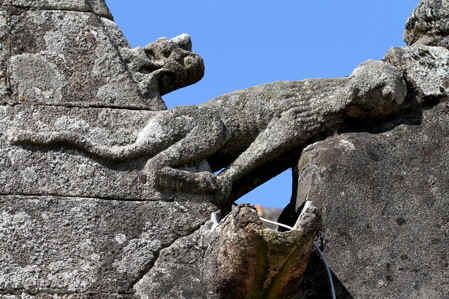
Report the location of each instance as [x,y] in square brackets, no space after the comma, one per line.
[428,24]
[425,69]
[64,65]
[68,58]
[164,65]
[239,258]
[75,58]
[4,54]
[43,295]
[384,193]
[66,172]
[385,208]
[244,131]
[58,245]
[96,6]
[80,221]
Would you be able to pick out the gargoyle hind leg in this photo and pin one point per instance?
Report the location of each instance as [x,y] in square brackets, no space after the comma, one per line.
[200,143]
[291,130]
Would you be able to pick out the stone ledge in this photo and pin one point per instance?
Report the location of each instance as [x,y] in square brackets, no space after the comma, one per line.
[96,6]
[60,245]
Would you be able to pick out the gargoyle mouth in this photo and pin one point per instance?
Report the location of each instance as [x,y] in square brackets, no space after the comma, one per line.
[149,68]
[166,80]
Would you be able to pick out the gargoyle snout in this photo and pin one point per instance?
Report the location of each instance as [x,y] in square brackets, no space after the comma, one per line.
[188,69]
[172,63]
[194,61]
[188,61]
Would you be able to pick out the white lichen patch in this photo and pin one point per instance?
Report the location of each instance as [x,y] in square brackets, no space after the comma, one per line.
[35,79]
[135,255]
[29,175]
[346,144]
[120,238]
[69,123]
[19,220]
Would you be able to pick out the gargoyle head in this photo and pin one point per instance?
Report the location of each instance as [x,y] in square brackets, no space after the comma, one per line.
[164,65]
[375,89]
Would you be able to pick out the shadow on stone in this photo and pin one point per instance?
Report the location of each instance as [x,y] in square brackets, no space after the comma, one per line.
[316,282]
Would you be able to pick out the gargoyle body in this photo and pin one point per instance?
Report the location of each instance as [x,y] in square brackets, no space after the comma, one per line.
[240,132]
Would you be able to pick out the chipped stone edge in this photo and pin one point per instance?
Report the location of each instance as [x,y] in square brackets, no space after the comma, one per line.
[157,254]
[106,14]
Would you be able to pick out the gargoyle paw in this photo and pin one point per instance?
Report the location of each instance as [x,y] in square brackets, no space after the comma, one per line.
[205,182]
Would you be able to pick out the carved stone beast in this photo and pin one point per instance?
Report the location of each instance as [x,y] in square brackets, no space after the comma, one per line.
[240,132]
[164,65]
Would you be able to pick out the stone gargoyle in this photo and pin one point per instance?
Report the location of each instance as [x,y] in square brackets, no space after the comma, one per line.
[239,132]
[164,65]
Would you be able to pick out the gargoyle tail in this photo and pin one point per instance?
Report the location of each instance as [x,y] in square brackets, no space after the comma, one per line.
[72,140]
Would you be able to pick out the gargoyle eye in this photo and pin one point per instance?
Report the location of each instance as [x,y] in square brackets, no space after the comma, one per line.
[166,53]
[149,52]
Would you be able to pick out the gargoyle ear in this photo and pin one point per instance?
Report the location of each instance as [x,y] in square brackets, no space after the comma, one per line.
[183,41]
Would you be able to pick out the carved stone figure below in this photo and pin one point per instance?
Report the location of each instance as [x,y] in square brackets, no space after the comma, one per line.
[247,260]
[241,131]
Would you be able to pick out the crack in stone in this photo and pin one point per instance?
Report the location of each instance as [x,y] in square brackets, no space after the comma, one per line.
[150,266]
[129,293]
[84,106]
[68,197]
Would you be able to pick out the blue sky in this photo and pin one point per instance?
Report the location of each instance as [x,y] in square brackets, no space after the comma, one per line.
[245,43]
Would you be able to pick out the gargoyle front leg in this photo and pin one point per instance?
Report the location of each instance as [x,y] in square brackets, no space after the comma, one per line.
[202,141]
[293,129]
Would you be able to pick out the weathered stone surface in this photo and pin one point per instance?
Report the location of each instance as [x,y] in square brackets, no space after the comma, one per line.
[68,172]
[69,58]
[96,6]
[80,223]
[55,245]
[244,131]
[76,225]
[63,235]
[44,295]
[239,258]
[4,54]
[428,24]
[425,69]
[164,65]
[73,58]
[382,192]
[63,171]
[385,207]
[178,273]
